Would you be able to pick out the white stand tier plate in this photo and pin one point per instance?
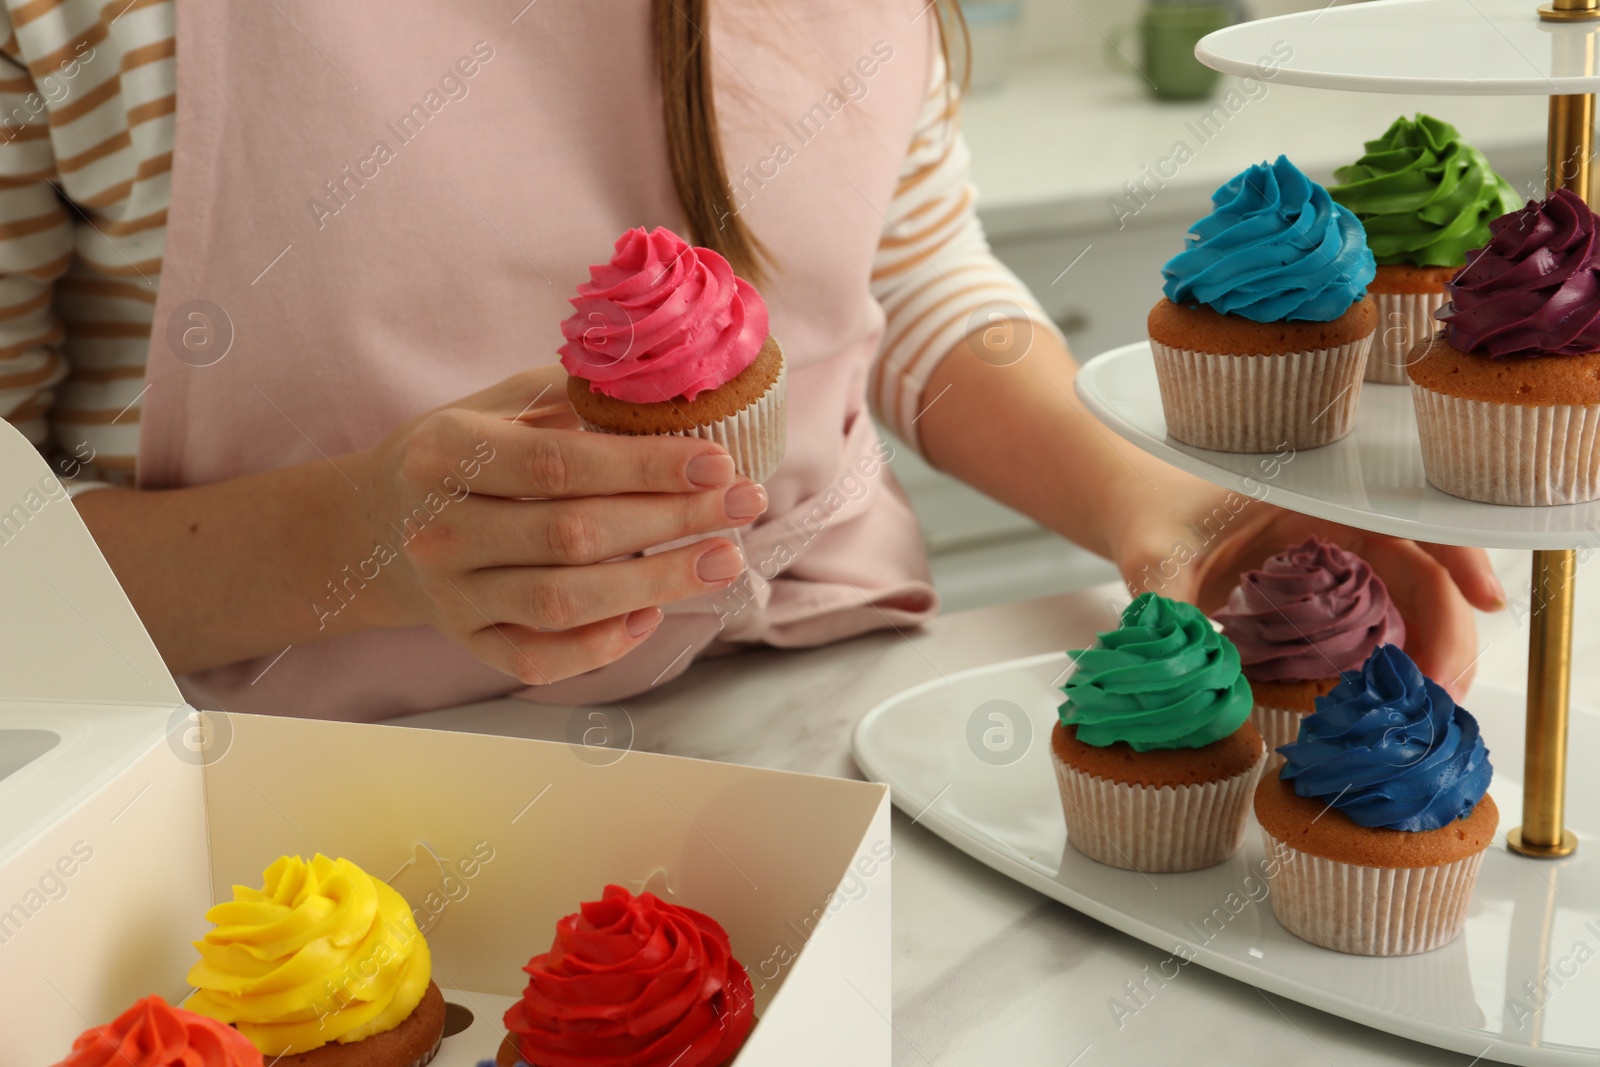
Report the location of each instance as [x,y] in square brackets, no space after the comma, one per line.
[1448,47]
[1372,479]
[1531,937]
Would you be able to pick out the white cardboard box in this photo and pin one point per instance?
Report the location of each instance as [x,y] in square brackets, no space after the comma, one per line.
[124,815]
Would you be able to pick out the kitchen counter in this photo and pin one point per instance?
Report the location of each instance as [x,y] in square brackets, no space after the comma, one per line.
[1053,146]
[986,971]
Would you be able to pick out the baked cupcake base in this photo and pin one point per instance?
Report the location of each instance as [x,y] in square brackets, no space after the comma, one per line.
[1369,892]
[1230,384]
[411,1044]
[746,416]
[1278,709]
[1159,811]
[1524,432]
[1406,298]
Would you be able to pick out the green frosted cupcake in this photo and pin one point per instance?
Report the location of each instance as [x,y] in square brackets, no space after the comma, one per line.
[1155,758]
[1426,198]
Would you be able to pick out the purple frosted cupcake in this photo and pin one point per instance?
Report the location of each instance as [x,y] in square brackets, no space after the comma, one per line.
[1310,613]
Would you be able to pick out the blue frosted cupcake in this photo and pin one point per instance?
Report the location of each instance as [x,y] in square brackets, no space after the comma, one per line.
[1261,340]
[1378,820]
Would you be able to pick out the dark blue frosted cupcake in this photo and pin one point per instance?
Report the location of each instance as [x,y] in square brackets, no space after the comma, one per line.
[1377,823]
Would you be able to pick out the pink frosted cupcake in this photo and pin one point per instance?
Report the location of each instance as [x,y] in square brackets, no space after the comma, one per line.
[1309,614]
[667,340]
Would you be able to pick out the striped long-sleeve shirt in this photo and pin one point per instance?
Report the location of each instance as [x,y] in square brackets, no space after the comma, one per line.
[87,104]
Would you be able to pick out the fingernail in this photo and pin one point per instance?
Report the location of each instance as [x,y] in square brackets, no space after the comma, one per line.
[745,501]
[720,564]
[642,621]
[1498,590]
[711,470]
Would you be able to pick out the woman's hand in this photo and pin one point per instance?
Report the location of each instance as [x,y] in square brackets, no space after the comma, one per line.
[509,523]
[1193,543]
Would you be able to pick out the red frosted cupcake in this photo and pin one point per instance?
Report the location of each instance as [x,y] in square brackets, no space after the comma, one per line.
[665,339]
[631,980]
[1309,614]
[153,1033]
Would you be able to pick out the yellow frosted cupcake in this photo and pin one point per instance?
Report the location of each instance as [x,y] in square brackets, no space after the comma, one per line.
[323,966]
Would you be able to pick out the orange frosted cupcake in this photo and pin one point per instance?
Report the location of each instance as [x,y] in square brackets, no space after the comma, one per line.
[1378,821]
[1262,339]
[153,1033]
[1154,757]
[665,339]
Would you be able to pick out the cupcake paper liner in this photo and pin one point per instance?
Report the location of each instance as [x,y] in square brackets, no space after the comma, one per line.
[1528,455]
[1404,320]
[427,1057]
[1155,829]
[1370,911]
[754,436]
[1278,726]
[1264,403]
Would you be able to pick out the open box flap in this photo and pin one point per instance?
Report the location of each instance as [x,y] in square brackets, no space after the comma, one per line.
[67,632]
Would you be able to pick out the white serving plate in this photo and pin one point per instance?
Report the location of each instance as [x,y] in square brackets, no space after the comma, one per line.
[1372,479]
[1527,922]
[1468,48]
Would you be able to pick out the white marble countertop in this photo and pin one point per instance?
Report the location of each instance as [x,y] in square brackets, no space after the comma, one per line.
[986,971]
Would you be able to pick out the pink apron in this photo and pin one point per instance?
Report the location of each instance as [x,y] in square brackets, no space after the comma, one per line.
[389,208]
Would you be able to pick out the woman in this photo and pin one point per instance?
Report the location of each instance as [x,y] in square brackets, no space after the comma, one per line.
[253,251]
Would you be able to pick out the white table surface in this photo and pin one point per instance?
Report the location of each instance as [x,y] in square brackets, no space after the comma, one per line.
[985,971]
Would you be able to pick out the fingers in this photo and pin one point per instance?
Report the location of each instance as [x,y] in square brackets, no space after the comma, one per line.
[518,461]
[536,658]
[493,532]
[1441,632]
[1473,574]
[569,598]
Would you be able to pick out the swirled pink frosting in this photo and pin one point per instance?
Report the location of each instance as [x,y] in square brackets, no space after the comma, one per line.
[1310,612]
[1534,289]
[663,319]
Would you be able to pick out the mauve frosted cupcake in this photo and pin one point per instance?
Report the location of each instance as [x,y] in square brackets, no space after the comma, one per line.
[1154,755]
[1309,614]
[1380,816]
[666,340]
[1425,198]
[1261,340]
[1508,394]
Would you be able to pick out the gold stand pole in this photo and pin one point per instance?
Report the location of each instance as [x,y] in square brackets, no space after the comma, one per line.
[1544,785]
[1544,778]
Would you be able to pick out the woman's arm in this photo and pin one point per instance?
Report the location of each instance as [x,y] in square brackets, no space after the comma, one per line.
[975,375]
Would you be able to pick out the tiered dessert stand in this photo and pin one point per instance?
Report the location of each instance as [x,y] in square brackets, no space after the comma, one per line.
[1522,985]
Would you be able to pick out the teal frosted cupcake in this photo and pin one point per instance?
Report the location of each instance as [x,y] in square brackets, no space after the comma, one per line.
[1425,198]
[1154,754]
[1261,340]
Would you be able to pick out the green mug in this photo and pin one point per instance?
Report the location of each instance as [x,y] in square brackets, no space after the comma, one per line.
[1168,33]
